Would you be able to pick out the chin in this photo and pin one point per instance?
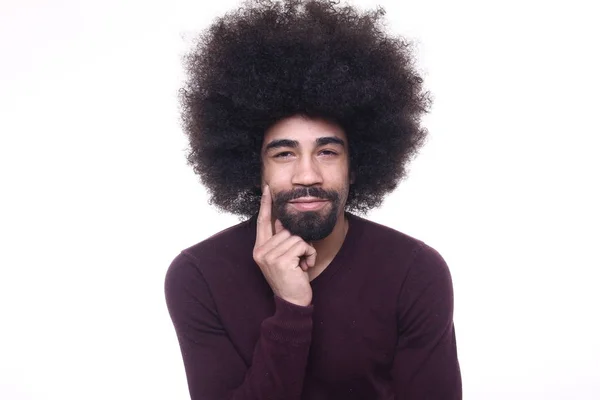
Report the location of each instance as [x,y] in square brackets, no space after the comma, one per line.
[311,225]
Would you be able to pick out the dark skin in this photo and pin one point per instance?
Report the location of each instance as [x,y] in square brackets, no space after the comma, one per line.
[279,254]
[298,153]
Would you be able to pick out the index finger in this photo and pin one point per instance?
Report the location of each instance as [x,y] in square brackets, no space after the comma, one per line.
[264,230]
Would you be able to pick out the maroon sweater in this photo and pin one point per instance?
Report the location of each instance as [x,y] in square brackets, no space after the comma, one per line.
[380,325]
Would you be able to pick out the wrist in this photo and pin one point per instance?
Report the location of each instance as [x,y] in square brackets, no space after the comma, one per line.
[302,302]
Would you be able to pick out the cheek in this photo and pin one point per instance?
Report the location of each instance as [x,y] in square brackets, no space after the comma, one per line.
[273,176]
[338,175]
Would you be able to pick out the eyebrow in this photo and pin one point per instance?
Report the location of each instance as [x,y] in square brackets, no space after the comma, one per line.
[322,141]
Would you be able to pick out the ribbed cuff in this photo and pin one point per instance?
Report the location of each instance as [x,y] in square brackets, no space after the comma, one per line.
[291,323]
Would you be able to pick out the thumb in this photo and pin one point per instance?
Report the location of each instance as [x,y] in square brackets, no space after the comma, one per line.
[311,256]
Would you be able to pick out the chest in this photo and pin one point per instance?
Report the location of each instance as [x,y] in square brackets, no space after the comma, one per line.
[354,335]
[355,327]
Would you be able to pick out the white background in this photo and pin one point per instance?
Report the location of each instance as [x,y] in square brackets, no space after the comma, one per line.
[97,198]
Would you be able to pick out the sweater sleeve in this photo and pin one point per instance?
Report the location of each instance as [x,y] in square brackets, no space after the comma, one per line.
[214,369]
[426,364]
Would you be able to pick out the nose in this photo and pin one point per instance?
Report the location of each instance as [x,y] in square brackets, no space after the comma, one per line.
[307,172]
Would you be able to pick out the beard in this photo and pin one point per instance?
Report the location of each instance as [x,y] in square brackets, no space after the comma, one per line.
[309,225]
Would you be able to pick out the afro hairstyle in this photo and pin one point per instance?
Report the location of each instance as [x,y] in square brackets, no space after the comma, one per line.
[270,60]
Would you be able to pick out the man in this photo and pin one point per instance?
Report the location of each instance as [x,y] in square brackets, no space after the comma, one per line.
[299,113]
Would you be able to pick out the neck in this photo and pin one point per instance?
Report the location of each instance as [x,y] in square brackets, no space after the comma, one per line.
[328,247]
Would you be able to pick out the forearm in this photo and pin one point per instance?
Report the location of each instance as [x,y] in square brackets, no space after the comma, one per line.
[215,370]
[280,356]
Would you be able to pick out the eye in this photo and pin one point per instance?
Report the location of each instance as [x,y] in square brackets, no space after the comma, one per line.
[328,153]
[283,154]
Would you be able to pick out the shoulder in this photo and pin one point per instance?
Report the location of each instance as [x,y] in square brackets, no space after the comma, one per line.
[226,243]
[414,254]
[226,246]
[382,239]
[429,266]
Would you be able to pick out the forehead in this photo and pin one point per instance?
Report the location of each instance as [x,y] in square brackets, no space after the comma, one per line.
[302,129]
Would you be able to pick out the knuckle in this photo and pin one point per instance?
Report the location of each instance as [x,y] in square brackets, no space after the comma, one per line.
[297,246]
[295,238]
[258,253]
[268,257]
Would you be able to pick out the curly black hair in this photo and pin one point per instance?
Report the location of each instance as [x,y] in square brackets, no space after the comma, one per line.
[270,60]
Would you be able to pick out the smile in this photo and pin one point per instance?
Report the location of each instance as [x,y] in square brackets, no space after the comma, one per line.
[306,204]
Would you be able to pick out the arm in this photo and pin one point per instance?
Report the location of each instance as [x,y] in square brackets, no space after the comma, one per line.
[214,369]
[426,363]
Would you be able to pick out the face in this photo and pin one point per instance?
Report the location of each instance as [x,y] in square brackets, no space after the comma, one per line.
[306,165]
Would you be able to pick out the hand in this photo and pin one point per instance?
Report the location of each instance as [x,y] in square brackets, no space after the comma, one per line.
[283,258]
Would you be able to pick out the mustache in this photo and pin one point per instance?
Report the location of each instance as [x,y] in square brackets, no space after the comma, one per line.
[320,193]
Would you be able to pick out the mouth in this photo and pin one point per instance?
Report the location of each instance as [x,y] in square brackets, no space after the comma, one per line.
[308,203]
